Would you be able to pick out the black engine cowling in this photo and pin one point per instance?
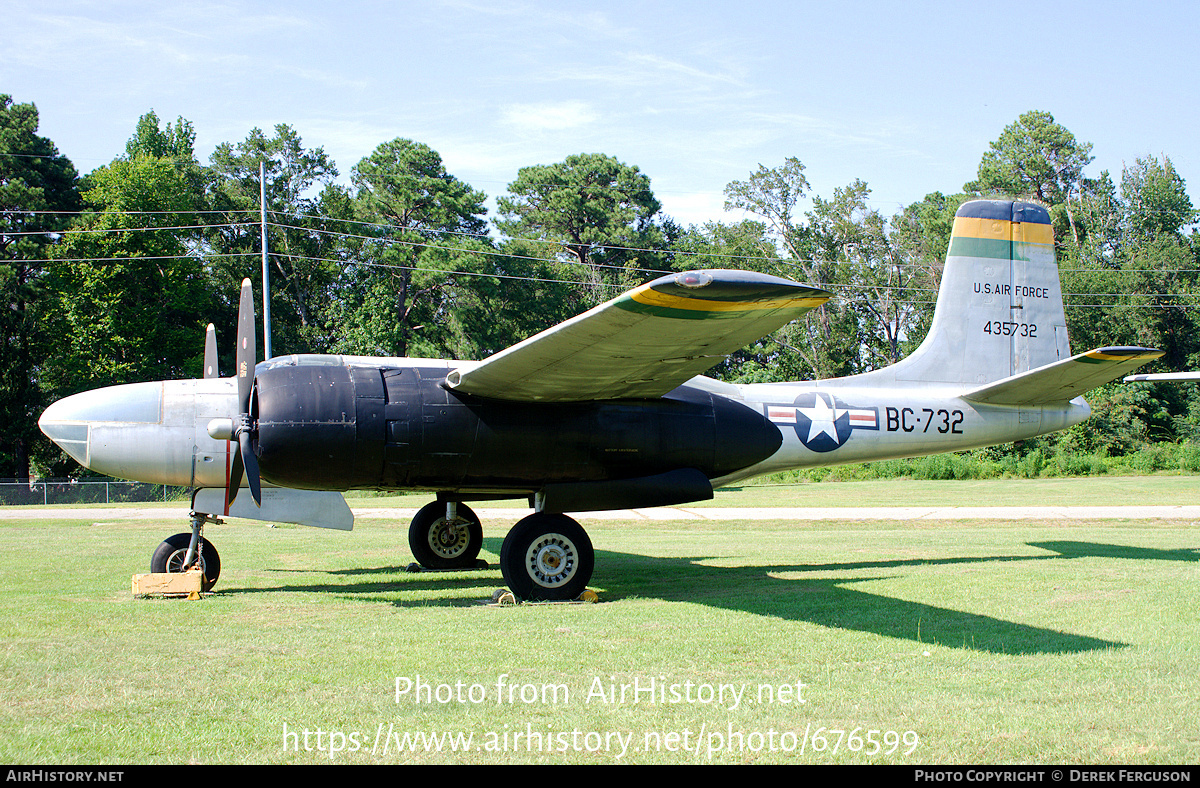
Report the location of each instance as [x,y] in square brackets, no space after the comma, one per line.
[338,427]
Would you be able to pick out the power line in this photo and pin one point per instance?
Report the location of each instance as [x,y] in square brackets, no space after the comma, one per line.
[841,288]
[108,212]
[558,245]
[100,231]
[849,287]
[479,274]
[32,155]
[496,253]
[201,258]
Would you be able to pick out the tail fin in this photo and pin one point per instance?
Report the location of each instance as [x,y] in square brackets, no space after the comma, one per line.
[999,310]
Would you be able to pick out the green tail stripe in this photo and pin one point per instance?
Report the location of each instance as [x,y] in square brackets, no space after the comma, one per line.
[961,246]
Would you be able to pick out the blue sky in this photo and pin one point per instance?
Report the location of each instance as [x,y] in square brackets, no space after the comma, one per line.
[905,96]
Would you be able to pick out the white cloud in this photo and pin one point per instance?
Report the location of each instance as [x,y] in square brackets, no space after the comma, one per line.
[694,208]
[548,116]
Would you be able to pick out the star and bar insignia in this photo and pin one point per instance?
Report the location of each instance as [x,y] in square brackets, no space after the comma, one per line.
[822,422]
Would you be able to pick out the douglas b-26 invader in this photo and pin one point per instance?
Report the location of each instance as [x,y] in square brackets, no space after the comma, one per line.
[608,410]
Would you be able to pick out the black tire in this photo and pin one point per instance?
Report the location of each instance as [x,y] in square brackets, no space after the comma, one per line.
[436,545]
[170,554]
[547,557]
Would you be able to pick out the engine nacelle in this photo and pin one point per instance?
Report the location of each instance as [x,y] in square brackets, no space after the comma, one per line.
[339,427]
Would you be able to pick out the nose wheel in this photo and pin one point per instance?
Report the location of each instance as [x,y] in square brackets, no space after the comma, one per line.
[547,557]
[172,556]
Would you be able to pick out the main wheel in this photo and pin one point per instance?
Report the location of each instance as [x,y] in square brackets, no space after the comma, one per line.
[170,555]
[437,543]
[547,557]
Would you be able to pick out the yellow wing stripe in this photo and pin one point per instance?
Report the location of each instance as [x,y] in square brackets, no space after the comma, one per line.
[651,297]
[1100,356]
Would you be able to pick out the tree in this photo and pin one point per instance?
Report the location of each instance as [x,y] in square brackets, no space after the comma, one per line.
[747,245]
[529,294]
[592,210]
[1156,198]
[920,238]
[772,194]
[37,192]
[426,227]
[844,242]
[129,287]
[150,140]
[1034,157]
[820,245]
[302,253]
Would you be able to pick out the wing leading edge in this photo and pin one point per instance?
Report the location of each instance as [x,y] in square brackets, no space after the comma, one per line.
[644,343]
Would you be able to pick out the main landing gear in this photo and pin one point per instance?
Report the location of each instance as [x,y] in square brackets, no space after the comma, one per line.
[545,557]
[445,536]
[183,551]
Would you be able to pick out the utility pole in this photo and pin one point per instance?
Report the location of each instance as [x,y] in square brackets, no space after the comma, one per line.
[262,204]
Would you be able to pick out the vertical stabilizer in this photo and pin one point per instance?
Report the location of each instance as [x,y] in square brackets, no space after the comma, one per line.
[999,310]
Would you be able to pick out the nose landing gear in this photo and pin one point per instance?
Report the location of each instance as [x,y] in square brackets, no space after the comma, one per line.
[184,551]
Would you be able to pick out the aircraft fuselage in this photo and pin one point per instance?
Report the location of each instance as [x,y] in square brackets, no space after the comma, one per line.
[341,423]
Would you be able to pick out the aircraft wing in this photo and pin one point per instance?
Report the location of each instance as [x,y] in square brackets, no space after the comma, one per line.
[644,343]
[1064,380]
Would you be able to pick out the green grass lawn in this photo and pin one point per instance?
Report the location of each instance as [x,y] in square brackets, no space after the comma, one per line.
[929,642]
[1156,490]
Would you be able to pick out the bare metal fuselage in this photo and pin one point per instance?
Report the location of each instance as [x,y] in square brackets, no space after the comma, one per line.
[158,432]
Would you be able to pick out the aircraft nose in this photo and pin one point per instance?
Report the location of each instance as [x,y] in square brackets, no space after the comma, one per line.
[68,422]
[70,437]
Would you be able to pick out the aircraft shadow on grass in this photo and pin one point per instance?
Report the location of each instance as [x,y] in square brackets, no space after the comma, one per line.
[828,602]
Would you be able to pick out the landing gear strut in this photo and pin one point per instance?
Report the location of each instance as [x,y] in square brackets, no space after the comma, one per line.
[547,557]
[183,551]
[445,536]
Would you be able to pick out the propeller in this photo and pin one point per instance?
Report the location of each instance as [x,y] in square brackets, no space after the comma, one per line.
[244,459]
[210,352]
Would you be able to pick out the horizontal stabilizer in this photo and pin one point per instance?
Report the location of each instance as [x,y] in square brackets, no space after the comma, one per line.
[317,508]
[1064,380]
[644,343]
[1164,376]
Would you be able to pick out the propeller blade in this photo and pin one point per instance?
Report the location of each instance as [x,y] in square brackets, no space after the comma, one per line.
[247,455]
[235,477]
[243,457]
[245,348]
[210,352]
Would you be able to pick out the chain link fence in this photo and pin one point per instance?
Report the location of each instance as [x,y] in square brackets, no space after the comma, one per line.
[15,492]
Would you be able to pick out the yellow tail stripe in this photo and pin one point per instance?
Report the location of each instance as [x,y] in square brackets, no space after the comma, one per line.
[1001,230]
